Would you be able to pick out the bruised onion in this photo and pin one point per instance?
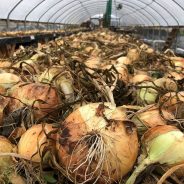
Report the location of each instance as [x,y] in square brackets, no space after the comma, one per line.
[33,142]
[97,144]
[41,97]
[161,144]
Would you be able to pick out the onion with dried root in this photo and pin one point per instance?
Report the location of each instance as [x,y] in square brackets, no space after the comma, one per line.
[97,144]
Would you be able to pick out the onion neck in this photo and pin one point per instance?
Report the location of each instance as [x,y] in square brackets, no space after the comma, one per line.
[143,165]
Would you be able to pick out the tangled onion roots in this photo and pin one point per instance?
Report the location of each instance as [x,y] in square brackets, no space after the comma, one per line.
[97,144]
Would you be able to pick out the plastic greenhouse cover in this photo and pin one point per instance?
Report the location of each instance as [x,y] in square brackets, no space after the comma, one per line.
[133,12]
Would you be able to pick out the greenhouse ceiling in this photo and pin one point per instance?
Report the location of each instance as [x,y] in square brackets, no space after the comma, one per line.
[133,12]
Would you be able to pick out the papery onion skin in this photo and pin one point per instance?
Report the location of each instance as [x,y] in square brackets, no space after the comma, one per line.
[119,140]
[34,140]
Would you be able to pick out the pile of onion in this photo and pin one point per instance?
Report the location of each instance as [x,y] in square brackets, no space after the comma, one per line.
[97,144]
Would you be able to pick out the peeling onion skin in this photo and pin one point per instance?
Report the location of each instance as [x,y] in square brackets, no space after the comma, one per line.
[44,98]
[34,140]
[85,131]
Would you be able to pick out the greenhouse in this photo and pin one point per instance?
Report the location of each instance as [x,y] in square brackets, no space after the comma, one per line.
[91,92]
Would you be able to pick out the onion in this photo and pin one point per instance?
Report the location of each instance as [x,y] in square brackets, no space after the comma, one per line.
[43,98]
[93,62]
[133,55]
[149,91]
[161,144]
[8,80]
[123,72]
[178,63]
[3,104]
[140,78]
[151,117]
[89,49]
[5,64]
[144,46]
[6,162]
[16,179]
[124,60]
[97,144]
[172,101]
[175,75]
[33,142]
[61,78]
[149,50]
[27,66]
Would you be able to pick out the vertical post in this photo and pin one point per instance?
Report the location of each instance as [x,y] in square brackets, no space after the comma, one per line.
[108,12]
